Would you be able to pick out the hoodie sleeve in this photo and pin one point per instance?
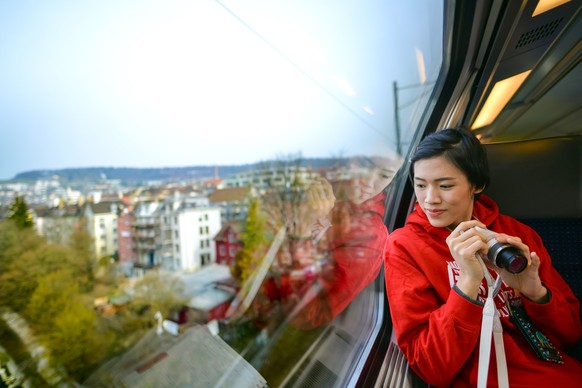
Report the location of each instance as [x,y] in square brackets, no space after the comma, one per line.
[436,336]
[559,318]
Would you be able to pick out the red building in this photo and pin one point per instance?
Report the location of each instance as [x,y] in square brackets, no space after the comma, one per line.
[125,241]
[228,242]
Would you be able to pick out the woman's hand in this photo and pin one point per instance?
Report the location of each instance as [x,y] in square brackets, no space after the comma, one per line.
[527,282]
[464,243]
[320,197]
[320,200]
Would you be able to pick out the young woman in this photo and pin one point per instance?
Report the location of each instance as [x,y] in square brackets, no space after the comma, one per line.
[437,285]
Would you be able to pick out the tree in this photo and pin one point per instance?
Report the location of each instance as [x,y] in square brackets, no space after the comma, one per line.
[75,341]
[42,282]
[20,213]
[156,293]
[14,244]
[283,200]
[82,245]
[53,294]
[29,267]
[253,240]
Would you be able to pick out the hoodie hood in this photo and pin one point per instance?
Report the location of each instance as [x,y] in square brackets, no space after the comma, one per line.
[375,204]
[484,209]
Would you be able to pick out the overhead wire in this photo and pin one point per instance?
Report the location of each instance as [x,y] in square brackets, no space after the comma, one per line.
[299,68]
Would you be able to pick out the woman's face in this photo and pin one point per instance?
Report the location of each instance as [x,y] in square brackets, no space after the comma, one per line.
[369,181]
[443,192]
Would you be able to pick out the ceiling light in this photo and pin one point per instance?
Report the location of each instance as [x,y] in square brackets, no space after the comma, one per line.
[499,97]
[546,5]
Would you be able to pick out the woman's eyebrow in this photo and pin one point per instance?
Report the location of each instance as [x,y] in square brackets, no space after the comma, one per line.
[446,178]
[390,170]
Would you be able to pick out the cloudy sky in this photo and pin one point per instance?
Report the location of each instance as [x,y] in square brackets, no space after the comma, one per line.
[142,83]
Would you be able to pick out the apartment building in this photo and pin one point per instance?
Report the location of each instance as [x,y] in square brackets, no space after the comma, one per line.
[271,177]
[145,233]
[102,226]
[187,228]
[233,202]
[57,224]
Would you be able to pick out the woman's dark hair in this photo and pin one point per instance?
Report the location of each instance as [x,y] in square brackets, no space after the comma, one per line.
[460,147]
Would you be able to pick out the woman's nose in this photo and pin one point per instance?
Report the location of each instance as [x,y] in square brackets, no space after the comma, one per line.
[365,180]
[432,195]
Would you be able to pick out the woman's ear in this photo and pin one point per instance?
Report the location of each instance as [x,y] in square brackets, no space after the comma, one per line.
[477,191]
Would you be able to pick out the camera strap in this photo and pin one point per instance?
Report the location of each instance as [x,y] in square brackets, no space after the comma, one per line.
[541,345]
[491,327]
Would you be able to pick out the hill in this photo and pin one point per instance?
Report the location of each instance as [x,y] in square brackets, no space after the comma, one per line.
[128,174]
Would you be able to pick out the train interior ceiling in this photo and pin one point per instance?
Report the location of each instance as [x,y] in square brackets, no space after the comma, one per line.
[534,137]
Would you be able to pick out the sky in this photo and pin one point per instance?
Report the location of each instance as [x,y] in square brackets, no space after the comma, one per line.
[141,83]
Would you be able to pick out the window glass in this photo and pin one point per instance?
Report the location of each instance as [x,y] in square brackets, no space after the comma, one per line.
[300,110]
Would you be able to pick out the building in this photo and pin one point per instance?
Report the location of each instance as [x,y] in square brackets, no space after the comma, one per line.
[57,224]
[233,202]
[127,250]
[228,242]
[210,291]
[187,227]
[102,225]
[196,357]
[146,234]
[176,233]
[274,177]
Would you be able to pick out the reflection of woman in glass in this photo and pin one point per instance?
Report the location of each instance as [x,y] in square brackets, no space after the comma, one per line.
[436,283]
[338,243]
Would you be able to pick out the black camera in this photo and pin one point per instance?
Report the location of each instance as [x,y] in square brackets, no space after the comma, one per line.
[503,255]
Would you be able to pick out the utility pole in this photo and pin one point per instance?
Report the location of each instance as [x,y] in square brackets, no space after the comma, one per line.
[397,118]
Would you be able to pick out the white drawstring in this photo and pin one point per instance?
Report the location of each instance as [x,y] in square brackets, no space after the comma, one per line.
[491,325]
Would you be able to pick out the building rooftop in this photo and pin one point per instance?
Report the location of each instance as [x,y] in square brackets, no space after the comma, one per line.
[230,194]
[235,225]
[198,281]
[193,358]
[104,207]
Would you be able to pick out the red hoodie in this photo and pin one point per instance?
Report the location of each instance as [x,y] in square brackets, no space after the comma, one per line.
[438,329]
[355,248]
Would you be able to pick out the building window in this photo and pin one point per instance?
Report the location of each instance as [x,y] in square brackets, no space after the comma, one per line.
[204,259]
[231,251]
[222,250]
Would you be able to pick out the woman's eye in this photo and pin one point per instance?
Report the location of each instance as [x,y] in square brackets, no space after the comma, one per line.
[446,186]
[420,186]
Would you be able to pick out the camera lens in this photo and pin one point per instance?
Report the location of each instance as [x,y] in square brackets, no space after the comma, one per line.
[508,257]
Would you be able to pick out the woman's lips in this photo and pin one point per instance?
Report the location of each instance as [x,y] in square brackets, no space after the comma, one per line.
[433,212]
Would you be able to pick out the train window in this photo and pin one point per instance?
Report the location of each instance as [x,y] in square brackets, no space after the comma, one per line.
[304,109]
